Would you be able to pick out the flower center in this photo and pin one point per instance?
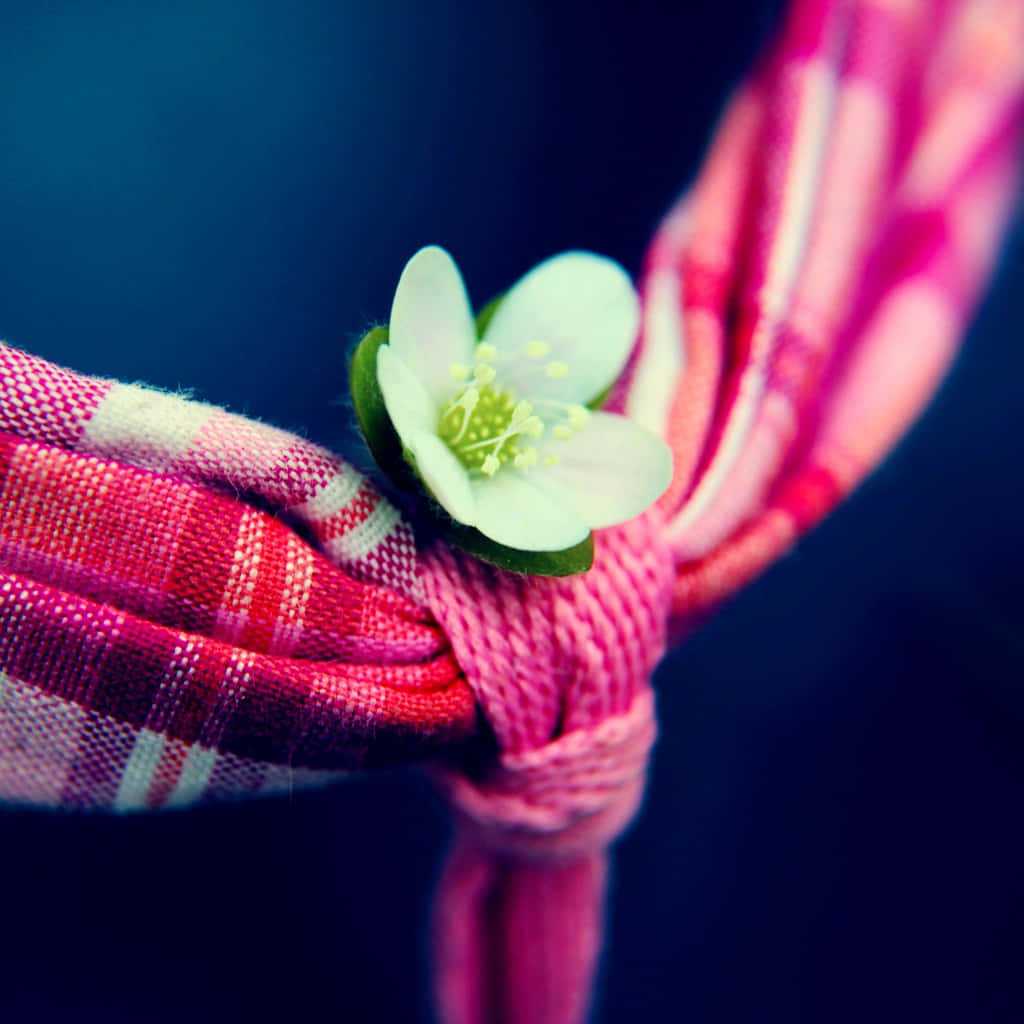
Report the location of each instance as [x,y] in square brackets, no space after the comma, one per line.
[483,424]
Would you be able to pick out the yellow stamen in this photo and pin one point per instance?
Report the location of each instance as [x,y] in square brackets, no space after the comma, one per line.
[458,371]
[484,374]
[485,352]
[521,413]
[556,370]
[561,432]
[578,416]
[537,349]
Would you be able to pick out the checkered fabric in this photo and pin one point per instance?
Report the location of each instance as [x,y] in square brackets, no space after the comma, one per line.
[804,299]
[163,641]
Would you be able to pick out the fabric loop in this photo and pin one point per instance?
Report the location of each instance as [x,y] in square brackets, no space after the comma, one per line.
[570,797]
[560,669]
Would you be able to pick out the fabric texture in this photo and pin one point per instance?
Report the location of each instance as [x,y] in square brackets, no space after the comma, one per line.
[196,605]
[162,642]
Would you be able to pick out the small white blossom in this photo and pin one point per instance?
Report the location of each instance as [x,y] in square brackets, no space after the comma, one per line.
[499,428]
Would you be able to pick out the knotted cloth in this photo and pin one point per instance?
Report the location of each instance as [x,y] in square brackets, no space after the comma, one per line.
[195,605]
[560,669]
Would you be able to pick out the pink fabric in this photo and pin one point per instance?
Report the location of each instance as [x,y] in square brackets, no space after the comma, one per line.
[824,267]
[800,306]
[561,670]
[202,444]
[162,644]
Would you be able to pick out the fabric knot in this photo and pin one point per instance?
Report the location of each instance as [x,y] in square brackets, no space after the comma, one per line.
[571,797]
[559,668]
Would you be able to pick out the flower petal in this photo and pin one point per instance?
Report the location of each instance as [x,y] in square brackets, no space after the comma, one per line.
[584,308]
[612,470]
[513,511]
[411,409]
[431,323]
[445,476]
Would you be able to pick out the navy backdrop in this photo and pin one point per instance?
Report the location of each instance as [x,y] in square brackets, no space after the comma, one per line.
[220,196]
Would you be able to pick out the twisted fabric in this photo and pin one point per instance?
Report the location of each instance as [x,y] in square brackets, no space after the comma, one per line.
[560,669]
[194,605]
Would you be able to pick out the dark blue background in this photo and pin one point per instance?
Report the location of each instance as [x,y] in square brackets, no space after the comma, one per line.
[219,196]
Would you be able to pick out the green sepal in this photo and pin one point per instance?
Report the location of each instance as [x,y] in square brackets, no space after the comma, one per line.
[595,403]
[486,315]
[374,422]
[386,448]
[569,562]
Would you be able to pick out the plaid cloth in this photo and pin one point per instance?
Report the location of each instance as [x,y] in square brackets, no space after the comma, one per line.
[162,642]
[804,299]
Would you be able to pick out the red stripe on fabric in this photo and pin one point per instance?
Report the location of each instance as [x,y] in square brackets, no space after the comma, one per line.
[809,496]
[737,359]
[705,287]
[357,511]
[266,588]
[809,28]
[327,715]
[202,562]
[167,772]
[164,549]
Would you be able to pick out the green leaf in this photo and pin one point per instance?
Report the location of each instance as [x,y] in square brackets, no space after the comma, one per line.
[569,562]
[386,448]
[374,422]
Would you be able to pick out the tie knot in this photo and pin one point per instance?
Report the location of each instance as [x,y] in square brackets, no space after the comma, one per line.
[559,668]
[570,797]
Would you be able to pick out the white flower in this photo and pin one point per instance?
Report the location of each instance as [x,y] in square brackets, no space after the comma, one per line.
[498,428]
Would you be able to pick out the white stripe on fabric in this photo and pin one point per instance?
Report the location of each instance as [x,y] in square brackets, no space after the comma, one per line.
[139,771]
[331,499]
[733,440]
[798,200]
[147,428]
[663,357]
[365,537]
[295,597]
[194,776]
[236,599]
[800,191]
[282,778]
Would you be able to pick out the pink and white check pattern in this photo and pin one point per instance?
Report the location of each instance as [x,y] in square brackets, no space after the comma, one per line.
[804,299]
[164,639]
[163,642]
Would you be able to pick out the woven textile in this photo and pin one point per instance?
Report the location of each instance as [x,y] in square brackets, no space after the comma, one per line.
[195,605]
[162,643]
